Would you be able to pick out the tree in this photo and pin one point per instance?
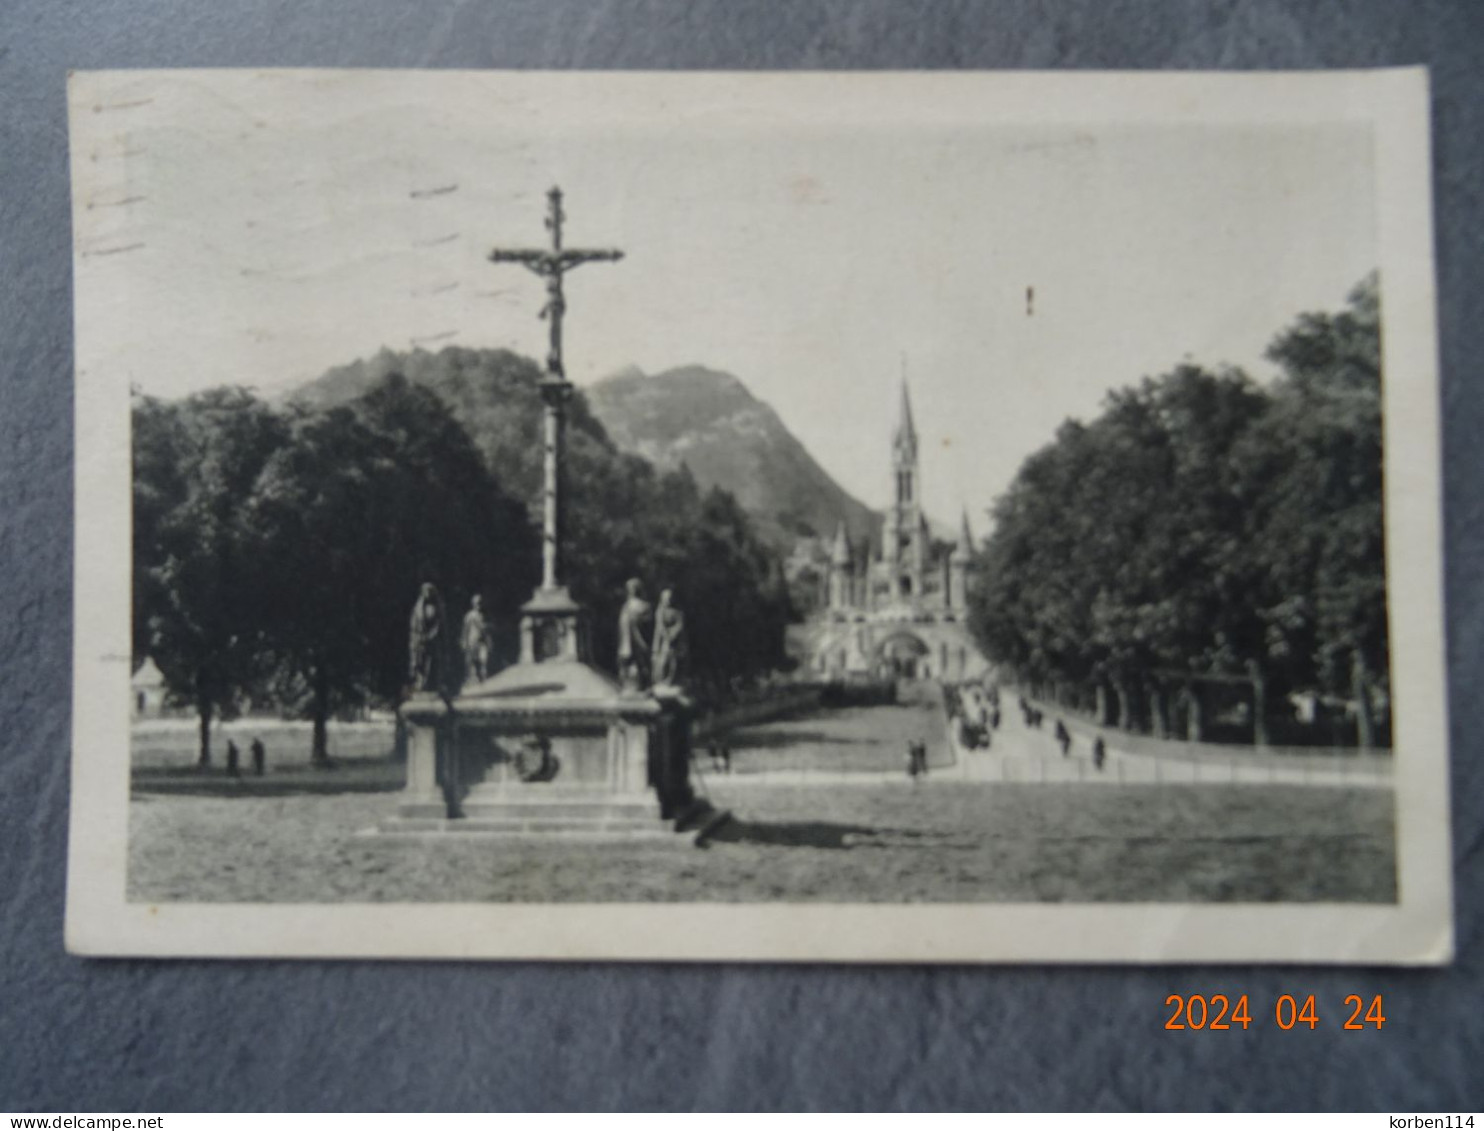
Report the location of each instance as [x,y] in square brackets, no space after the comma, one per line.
[196,601]
[1109,562]
[1316,514]
[627,520]
[622,517]
[736,589]
[1204,528]
[363,504]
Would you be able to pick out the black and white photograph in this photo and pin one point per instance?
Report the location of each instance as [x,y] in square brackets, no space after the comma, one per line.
[826,517]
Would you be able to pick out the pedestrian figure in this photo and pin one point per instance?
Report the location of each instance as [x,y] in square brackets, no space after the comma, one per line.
[259,757]
[994,719]
[916,760]
[232,756]
[1099,753]
[721,757]
[1064,737]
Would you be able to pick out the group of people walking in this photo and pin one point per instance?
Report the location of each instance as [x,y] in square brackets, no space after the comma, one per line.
[1031,714]
[975,711]
[259,758]
[1064,740]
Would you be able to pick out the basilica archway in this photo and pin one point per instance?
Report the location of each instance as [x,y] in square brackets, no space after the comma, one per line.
[905,655]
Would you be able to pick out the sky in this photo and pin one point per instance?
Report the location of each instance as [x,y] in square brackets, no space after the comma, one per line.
[817,242]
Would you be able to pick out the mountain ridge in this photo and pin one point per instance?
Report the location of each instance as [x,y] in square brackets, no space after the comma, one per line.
[708,420]
[704,419]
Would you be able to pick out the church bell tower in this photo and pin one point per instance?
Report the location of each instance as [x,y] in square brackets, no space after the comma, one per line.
[904,537]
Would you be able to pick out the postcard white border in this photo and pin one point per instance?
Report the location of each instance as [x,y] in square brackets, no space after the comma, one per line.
[1416,930]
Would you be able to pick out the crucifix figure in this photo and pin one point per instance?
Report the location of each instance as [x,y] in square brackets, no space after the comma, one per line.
[551,615]
[551,264]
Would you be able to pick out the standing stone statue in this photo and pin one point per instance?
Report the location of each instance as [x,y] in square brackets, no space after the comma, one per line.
[670,644]
[425,640]
[633,648]
[474,642]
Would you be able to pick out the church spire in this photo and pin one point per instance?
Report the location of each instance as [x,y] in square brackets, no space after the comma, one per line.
[965,547]
[905,440]
[958,567]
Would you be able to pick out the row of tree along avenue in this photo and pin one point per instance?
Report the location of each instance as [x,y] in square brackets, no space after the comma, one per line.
[278,548]
[1205,559]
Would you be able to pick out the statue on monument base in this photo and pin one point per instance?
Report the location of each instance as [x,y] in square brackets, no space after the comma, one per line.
[671,645]
[425,641]
[474,641]
[633,648]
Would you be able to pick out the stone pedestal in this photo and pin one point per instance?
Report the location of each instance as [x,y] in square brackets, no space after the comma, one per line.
[424,718]
[544,748]
[553,628]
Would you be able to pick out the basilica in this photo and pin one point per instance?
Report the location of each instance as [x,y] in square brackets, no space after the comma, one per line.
[897,607]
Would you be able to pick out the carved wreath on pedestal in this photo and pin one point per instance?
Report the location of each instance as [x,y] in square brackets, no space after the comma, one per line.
[534,761]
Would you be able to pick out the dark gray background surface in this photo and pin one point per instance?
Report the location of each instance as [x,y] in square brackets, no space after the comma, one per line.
[81,1035]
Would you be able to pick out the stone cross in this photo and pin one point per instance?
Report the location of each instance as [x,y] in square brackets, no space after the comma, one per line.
[552,264]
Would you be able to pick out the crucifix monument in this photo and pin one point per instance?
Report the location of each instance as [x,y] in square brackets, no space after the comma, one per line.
[552,627]
[550,744]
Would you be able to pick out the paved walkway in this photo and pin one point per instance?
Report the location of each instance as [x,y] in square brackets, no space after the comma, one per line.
[1020,753]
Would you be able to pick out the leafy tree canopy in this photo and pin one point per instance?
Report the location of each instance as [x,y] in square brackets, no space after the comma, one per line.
[1208,525]
[277,552]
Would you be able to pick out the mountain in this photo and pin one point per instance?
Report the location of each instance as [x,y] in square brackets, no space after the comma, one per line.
[492,393]
[624,518]
[702,418]
[710,422]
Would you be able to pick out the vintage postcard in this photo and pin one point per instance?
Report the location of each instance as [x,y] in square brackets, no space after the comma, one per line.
[807,517]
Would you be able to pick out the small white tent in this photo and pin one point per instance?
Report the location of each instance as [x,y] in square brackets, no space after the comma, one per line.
[148,688]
